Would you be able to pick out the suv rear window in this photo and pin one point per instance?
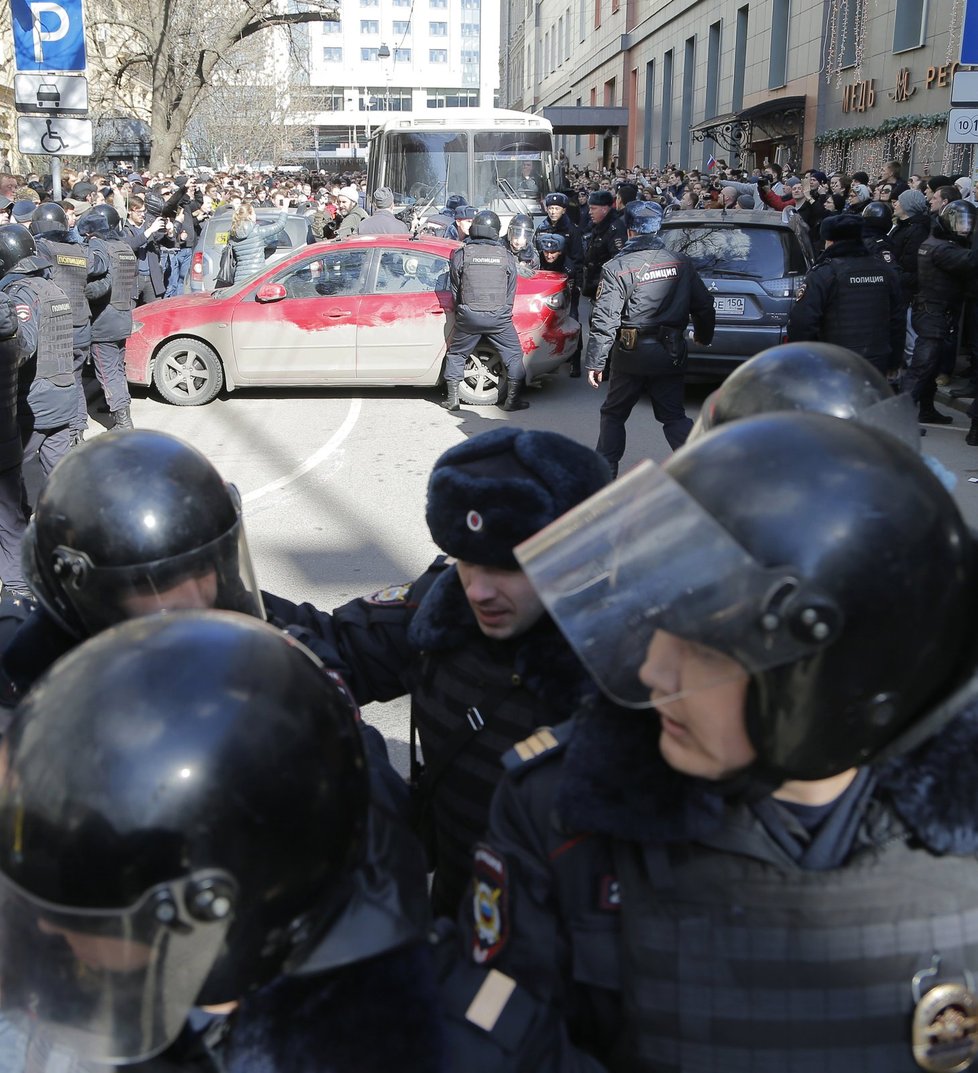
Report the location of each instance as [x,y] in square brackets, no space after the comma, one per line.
[757,252]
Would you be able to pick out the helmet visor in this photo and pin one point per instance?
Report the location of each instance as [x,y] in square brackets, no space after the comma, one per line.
[109,985]
[642,557]
[218,575]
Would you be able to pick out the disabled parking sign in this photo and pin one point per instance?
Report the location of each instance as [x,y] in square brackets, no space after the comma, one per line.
[49,35]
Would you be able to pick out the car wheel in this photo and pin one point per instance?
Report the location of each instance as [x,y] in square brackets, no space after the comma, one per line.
[188,372]
[480,381]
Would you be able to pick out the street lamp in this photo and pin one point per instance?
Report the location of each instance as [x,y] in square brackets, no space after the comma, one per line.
[384,53]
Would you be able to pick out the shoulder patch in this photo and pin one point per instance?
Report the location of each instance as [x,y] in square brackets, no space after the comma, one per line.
[542,743]
[23,311]
[392,594]
[490,904]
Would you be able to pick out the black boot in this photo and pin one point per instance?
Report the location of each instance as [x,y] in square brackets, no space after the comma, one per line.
[451,396]
[514,388]
[929,416]
[121,418]
[972,438]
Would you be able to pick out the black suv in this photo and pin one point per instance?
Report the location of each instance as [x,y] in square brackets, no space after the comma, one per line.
[753,263]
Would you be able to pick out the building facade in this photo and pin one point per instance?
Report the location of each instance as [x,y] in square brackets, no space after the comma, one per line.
[839,83]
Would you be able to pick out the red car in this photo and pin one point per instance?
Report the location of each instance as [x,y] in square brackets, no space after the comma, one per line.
[371,310]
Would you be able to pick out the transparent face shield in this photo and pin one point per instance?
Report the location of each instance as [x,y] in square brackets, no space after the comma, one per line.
[115,985]
[641,562]
[218,575]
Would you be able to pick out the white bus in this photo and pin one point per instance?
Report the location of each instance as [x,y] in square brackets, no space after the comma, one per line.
[496,159]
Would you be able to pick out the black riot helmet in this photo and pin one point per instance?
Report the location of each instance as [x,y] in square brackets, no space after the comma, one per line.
[135,522]
[781,545]
[520,227]
[182,808]
[16,244]
[100,220]
[957,219]
[485,224]
[48,217]
[877,218]
[815,377]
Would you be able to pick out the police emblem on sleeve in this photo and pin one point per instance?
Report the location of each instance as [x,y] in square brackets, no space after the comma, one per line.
[392,594]
[945,1025]
[490,905]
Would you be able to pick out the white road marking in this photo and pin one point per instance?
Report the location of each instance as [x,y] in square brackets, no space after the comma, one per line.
[313,460]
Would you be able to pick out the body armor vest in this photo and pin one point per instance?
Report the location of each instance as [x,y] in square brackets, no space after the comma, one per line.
[69,268]
[11,449]
[730,963]
[859,318]
[124,267]
[484,277]
[54,333]
[473,736]
[936,287]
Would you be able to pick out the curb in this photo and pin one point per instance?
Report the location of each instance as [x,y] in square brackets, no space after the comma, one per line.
[961,405]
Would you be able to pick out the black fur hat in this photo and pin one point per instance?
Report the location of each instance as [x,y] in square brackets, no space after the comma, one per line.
[490,493]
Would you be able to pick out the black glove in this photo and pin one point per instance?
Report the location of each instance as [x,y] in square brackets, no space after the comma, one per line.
[8,318]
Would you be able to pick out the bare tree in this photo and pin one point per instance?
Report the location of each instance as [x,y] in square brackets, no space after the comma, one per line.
[181,49]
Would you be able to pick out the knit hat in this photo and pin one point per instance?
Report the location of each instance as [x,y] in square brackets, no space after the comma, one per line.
[863,193]
[495,490]
[82,190]
[22,211]
[384,197]
[841,226]
[351,193]
[913,202]
[819,176]
[602,197]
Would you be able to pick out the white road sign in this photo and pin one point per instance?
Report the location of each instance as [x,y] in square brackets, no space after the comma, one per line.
[962,126]
[964,88]
[65,94]
[55,136]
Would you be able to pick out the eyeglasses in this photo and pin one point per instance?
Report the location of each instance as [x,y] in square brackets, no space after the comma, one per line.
[886,190]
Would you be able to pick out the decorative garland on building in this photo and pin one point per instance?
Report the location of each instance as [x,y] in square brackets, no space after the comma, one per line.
[954,33]
[899,137]
[888,126]
[842,15]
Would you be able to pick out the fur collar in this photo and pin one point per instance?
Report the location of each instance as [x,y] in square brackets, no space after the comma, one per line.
[615,782]
[542,658]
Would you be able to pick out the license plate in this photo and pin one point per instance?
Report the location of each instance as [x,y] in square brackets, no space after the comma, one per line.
[731,307]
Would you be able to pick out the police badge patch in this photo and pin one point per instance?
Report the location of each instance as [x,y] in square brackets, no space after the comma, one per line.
[392,594]
[490,907]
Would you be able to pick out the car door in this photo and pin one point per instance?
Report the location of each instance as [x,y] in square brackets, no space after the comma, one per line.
[405,317]
[310,334]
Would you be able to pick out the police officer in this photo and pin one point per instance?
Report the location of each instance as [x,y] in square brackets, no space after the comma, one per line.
[519,241]
[602,241]
[73,265]
[226,835]
[483,275]
[685,885]
[47,395]
[945,262]
[459,230]
[553,258]
[15,596]
[439,223]
[111,301]
[851,298]
[558,222]
[480,659]
[877,224]
[646,297]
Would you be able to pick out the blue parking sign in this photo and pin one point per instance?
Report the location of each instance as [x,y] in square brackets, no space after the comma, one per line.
[969,33]
[49,35]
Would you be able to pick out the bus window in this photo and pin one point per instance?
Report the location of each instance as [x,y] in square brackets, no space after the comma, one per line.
[426,165]
[512,169]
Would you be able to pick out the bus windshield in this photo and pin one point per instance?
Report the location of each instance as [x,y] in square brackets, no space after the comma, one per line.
[426,165]
[512,169]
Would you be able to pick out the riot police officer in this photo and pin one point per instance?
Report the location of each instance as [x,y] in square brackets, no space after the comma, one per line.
[877,224]
[15,596]
[646,297]
[226,835]
[519,241]
[684,885]
[111,300]
[851,298]
[945,262]
[73,265]
[483,275]
[48,396]
[558,222]
[554,258]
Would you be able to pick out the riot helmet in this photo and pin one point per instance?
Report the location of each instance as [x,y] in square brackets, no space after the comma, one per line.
[643,217]
[520,230]
[814,377]
[48,217]
[132,523]
[182,810]
[957,219]
[16,244]
[877,217]
[153,203]
[485,224]
[100,220]
[781,545]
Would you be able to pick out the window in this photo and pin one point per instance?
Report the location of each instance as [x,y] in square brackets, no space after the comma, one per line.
[712,71]
[438,55]
[369,3]
[665,144]
[333,275]
[453,98]
[649,108]
[437,3]
[411,272]
[567,34]
[401,28]
[438,29]
[402,55]
[401,3]
[592,139]
[778,69]
[689,83]
[740,60]
[583,29]
[369,26]
[577,138]
[332,55]
[559,43]
[332,27]
[368,55]
[470,29]
[471,5]
[470,55]
[597,14]
[851,19]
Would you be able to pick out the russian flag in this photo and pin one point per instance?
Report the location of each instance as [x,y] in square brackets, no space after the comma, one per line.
[711,163]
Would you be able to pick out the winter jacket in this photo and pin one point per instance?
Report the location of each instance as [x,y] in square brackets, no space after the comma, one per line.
[249,240]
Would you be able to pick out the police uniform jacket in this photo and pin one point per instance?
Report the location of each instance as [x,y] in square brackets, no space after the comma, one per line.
[675,930]
[905,239]
[472,697]
[603,241]
[851,298]
[944,269]
[647,287]
[483,276]
[573,244]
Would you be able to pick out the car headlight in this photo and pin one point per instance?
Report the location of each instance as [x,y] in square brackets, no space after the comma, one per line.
[557,301]
[136,327]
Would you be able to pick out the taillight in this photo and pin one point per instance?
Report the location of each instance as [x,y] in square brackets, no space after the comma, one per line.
[786,287]
[197,265]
